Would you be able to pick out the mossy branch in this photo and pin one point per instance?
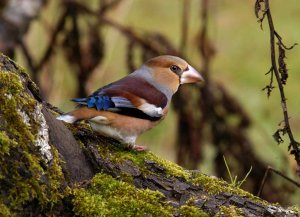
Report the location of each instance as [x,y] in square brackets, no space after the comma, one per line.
[51,169]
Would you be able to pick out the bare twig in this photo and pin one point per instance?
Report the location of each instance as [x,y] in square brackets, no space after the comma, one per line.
[204,38]
[59,27]
[127,32]
[281,76]
[184,25]
[29,60]
[278,173]
[270,86]
[107,5]
[281,43]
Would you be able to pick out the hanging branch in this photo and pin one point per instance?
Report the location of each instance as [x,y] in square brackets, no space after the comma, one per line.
[281,75]
[184,26]
[205,46]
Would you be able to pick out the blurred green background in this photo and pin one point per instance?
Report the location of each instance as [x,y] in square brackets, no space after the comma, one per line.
[241,61]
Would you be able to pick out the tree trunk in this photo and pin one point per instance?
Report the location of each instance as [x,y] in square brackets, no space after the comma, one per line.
[15,18]
[48,168]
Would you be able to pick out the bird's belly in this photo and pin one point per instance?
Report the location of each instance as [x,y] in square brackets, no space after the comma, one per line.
[123,128]
[113,133]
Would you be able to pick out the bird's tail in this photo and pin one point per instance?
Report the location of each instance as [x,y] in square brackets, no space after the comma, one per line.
[67,117]
[80,101]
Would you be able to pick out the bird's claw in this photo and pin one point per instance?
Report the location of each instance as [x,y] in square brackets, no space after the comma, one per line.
[139,148]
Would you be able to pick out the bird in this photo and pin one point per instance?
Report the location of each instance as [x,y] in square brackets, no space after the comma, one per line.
[128,107]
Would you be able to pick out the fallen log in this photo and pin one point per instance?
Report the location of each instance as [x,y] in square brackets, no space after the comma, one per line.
[53,169]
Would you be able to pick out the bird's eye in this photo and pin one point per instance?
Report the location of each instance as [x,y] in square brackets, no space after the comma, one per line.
[175,69]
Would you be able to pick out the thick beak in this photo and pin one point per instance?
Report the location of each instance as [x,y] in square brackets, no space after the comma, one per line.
[190,76]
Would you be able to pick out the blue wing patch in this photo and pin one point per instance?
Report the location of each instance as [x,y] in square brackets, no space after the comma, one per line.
[100,102]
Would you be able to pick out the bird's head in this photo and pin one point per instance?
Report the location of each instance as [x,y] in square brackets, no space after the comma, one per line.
[172,71]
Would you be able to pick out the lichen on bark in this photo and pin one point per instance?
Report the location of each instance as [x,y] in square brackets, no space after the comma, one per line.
[25,175]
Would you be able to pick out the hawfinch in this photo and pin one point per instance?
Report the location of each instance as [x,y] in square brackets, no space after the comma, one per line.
[128,107]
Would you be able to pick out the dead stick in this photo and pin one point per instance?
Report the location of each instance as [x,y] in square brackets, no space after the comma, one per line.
[293,142]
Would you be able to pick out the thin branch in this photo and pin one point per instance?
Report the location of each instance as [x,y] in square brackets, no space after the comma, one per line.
[263,182]
[287,129]
[278,173]
[270,86]
[125,31]
[281,43]
[59,27]
[205,46]
[107,5]
[29,60]
[184,25]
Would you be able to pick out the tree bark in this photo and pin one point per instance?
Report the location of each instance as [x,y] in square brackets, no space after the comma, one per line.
[36,147]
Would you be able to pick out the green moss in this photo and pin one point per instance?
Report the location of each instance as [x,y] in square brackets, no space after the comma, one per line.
[4,210]
[6,144]
[107,196]
[116,152]
[23,175]
[295,209]
[55,178]
[189,210]
[229,211]
[171,168]
[215,186]
[211,185]
[126,177]
[192,211]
